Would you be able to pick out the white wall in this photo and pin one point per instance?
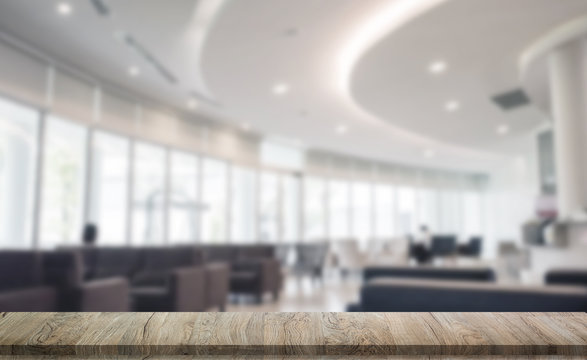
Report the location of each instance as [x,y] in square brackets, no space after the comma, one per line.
[511,195]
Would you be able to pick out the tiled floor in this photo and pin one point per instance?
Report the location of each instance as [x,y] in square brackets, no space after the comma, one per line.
[303,295]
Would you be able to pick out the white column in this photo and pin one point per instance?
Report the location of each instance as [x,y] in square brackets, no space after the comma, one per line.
[568,100]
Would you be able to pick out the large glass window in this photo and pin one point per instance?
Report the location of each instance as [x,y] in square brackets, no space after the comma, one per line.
[214,197]
[406,211]
[339,209]
[269,207]
[472,213]
[428,209]
[290,205]
[109,193]
[149,194]
[384,211]
[244,205]
[18,150]
[362,212]
[450,214]
[279,155]
[314,208]
[63,183]
[183,198]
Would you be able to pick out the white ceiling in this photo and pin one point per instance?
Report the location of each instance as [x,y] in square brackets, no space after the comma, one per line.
[235,52]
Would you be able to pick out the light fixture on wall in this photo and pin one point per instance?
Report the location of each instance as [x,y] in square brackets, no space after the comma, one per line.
[281,89]
[429,153]
[134,71]
[64,9]
[437,67]
[341,129]
[452,106]
[246,126]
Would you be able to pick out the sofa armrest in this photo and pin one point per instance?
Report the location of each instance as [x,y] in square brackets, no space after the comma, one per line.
[41,298]
[217,284]
[187,288]
[111,294]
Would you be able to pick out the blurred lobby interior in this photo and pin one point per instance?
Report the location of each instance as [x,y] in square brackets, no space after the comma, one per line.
[293,155]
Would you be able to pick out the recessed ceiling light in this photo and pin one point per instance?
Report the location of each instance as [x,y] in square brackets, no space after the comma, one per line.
[281,89]
[429,153]
[192,104]
[437,67]
[342,129]
[246,126]
[503,129]
[452,106]
[64,9]
[134,71]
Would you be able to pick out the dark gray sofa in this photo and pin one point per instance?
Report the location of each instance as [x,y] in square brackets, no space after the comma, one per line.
[169,279]
[64,270]
[52,281]
[399,295]
[254,269]
[429,272]
[21,283]
[163,278]
[576,277]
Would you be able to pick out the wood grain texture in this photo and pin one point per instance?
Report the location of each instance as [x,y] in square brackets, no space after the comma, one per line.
[293,335]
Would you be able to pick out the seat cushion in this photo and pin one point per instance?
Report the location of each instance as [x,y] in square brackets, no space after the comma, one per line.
[245,282]
[152,298]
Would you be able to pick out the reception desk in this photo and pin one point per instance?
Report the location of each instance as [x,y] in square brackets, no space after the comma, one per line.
[312,335]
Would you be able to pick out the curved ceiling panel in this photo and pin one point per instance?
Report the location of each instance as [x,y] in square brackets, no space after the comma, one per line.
[480,41]
[257,44]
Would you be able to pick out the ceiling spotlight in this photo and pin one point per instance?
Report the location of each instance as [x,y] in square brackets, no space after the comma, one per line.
[281,89]
[437,67]
[429,153]
[452,106]
[246,126]
[134,71]
[64,9]
[192,104]
[503,129]
[341,129]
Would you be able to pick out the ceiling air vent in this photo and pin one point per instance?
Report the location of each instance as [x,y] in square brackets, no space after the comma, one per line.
[511,99]
[101,7]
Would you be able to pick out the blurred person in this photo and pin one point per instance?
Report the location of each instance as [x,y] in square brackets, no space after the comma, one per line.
[425,238]
[421,246]
[90,235]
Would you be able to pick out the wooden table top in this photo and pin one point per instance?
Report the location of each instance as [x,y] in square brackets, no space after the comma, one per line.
[310,334]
